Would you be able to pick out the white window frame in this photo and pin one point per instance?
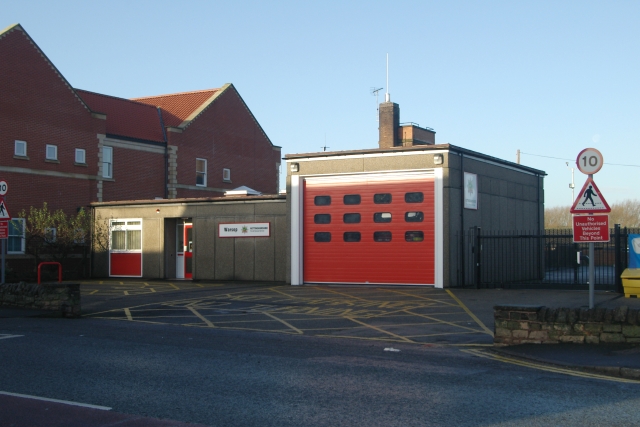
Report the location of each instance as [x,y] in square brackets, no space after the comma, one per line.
[201,173]
[107,162]
[23,151]
[50,234]
[226,175]
[51,152]
[125,224]
[14,235]
[83,154]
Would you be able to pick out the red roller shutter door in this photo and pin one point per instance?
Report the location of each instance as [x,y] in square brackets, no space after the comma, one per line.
[401,251]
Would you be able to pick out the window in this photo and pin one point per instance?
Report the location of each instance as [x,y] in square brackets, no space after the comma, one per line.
[382,217]
[382,198]
[382,236]
[322,218]
[81,156]
[352,199]
[416,197]
[51,152]
[351,236]
[15,243]
[322,236]
[50,234]
[226,175]
[351,218]
[322,200]
[414,236]
[107,162]
[414,216]
[201,172]
[126,235]
[20,148]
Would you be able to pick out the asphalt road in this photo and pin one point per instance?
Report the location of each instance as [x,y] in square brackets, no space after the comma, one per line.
[238,378]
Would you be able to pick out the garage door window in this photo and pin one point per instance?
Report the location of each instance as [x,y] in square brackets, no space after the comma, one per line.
[322,218]
[382,217]
[414,217]
[382,198]
[382,236]
[416,197]
[322,236]
[414,236]
[322,200]
[352,199]
[351,218]
[352,236]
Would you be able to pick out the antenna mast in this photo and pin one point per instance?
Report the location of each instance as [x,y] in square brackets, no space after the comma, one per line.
[374,92]
[387,96]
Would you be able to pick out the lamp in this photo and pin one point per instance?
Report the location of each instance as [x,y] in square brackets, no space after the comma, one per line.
[295,167]
[438,159]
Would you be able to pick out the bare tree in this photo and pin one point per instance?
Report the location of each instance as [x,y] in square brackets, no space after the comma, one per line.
[625,213]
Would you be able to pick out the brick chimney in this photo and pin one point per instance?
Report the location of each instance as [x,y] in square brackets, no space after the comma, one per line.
[389,122]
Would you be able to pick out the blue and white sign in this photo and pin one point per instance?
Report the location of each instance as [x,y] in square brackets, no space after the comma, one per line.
[634,250]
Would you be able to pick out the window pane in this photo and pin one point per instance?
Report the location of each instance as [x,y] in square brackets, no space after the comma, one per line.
[382,236]
[132,222]
[382,198]
[322,219]
[352,236]
[322,236]
[352,199]
[414,236]
[414,217]
[16,236]
[118,240]
[20,148]
[80,155]
[52,152]
[382,217]
[416,197]
[351,218]
[200,165]
[134,240]
[322,200]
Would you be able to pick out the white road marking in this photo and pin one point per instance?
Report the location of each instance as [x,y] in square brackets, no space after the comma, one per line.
[65,402]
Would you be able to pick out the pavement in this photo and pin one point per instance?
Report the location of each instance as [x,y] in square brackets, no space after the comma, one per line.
[407,315]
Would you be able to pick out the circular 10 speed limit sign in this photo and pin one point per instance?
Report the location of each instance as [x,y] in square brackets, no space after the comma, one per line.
[589,161]
[3,188]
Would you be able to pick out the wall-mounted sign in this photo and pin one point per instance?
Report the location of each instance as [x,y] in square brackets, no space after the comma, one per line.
[470,188]
[244,229]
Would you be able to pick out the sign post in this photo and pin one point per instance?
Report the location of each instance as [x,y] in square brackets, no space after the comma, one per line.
[590,228]
[4,230]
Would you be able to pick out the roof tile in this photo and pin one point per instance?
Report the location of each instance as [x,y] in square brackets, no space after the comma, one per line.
[177,107]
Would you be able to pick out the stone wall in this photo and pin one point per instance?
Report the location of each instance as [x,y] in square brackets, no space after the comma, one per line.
[522,324]
[56,297]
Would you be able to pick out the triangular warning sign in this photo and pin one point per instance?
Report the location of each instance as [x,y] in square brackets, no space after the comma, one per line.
[4,213]
[590,200]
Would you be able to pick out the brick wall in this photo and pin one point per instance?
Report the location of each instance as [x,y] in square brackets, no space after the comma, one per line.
[38,106]
[522,324]
[227,136]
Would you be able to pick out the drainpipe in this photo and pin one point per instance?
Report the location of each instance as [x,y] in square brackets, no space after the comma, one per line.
[166,155]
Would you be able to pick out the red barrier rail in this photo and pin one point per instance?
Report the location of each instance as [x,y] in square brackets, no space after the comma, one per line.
[51,263]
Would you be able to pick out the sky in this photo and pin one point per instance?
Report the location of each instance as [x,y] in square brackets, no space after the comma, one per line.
[548,78]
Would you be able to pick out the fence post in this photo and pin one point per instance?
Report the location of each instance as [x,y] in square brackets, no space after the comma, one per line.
[477,252]
[618,258]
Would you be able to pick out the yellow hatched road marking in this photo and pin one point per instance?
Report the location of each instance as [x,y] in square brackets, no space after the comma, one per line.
[343,294]
[171,284]
[201,317]
[547,368]
[420,297]
[473,316]
[128,314]
[443,321]
[126,292]
[405,339]
[285,323]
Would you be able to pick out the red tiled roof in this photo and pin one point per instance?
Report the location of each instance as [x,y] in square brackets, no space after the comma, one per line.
[126,118]
[177,107]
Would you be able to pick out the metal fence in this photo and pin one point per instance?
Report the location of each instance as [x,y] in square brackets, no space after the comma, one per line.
[545,259]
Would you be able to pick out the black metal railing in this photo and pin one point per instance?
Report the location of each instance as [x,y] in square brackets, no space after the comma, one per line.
[546,258]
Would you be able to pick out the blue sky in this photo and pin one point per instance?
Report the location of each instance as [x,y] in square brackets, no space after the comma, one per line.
[548,78]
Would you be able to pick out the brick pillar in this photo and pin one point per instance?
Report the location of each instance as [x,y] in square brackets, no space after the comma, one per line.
[388,125]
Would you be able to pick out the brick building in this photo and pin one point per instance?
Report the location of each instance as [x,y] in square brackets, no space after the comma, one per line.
[71,147]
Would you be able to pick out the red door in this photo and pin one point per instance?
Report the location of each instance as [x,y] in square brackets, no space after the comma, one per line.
[369,231]
[188,251]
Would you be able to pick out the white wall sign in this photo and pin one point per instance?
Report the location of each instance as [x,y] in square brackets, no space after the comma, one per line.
[470,188]
[244,229]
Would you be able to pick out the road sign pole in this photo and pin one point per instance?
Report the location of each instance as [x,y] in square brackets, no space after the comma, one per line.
[592,269]
[3,244]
